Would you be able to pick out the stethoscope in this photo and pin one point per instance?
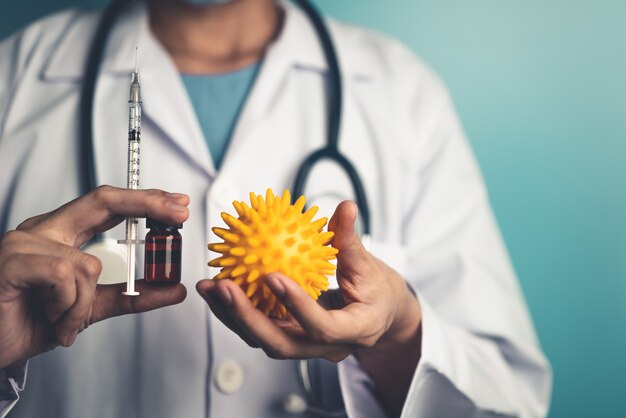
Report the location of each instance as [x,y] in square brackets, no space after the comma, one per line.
[294,403]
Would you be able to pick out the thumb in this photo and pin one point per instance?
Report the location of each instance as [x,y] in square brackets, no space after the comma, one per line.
[110,302]
[351,252]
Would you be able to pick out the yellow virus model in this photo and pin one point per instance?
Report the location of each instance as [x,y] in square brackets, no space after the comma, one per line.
[269,236]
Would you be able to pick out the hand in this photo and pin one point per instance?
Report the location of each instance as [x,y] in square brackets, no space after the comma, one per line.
[379,310]
[48,290]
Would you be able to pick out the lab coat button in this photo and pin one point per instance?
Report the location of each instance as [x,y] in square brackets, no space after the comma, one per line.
[228,377]
[222,193]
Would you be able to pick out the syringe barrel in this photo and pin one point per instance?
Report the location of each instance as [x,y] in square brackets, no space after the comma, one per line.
[132,180]
[134,133]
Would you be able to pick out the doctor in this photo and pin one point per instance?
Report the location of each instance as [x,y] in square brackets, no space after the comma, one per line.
[434,323]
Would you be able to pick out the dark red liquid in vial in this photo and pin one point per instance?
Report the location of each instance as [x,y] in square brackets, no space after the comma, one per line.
[163,257]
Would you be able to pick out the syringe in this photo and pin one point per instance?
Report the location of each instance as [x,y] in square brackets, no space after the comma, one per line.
[132,179]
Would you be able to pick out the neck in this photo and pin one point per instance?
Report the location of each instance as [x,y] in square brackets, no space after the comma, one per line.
[217,38]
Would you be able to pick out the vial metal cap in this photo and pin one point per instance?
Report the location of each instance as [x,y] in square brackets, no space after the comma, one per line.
[154,224]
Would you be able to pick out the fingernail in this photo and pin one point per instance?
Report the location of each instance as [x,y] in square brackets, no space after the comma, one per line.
[225,295]
[175,206]
[72,338]
[276,285]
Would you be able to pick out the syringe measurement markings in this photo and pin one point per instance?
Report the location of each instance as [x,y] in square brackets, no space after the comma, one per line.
[132,173]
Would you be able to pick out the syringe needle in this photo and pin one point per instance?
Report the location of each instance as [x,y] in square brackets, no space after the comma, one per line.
[136,53]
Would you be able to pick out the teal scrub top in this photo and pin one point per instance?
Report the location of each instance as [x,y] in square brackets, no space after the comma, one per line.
[217,100]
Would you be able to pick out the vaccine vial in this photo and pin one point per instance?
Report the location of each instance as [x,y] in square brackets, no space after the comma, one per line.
[163,253]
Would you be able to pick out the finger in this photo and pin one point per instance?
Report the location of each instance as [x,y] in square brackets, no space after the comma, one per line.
[54,274]
[175,198]
[31,222]
[85,263]
[77,221]
[351,251]
[208,290]
[110,302]
[272,339]
[87,269]
[322,326]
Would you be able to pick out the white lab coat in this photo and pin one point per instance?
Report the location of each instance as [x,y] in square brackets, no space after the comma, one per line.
[430,220]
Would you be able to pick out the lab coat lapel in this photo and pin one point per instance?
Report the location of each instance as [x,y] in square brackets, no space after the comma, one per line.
[166,108]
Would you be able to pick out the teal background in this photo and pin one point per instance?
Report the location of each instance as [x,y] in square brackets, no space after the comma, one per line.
[541,89]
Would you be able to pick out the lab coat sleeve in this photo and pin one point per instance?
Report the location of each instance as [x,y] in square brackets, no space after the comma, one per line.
[480,356]
[12,382]
[12,64]
[16,55]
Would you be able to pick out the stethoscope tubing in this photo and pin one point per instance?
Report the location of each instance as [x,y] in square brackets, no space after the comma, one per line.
[335,110]
[359,191]
[88,180]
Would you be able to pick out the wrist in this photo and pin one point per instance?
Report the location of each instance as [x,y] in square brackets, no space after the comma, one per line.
[392,361]
[404,333]
[406,323]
